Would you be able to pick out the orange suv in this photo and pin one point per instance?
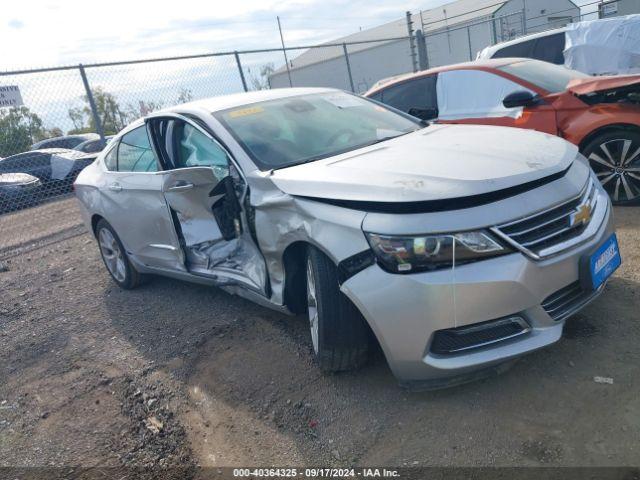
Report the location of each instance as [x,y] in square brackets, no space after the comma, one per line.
[601,115]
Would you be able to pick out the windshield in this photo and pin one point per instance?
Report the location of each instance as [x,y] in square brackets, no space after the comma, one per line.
[293,130]
[549,77]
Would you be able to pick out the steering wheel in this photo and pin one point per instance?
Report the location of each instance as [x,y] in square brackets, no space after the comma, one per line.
[333,138]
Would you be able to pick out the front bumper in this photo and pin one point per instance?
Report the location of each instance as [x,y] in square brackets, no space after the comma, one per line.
[405,311]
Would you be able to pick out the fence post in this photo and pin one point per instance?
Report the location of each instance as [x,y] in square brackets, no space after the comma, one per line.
[524,21]
[412,43]
[92,103]
[284,52]
[346,57]
[469,40]
[421,40]
[244,82]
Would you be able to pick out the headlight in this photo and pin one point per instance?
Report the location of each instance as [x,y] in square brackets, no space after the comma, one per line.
[407,254]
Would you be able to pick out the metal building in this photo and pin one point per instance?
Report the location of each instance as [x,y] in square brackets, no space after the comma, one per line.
[618,8]
[453,32]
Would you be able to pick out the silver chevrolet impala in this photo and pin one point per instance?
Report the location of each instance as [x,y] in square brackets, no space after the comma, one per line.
[455,248]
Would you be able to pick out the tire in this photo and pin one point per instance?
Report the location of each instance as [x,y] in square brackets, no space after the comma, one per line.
[339,333]
[115,257]
[615,158]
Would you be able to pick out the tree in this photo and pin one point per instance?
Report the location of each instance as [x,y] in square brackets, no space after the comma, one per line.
[77,117]
[261,82]
[111,115]
[19,129]
[185,96]
[143,109]
[54,132]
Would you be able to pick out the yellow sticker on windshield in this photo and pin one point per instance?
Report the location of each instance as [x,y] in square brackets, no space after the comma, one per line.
[246,111]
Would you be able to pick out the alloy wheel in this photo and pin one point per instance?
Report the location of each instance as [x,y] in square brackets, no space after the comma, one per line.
[112,255]
[617,166]
[312,306]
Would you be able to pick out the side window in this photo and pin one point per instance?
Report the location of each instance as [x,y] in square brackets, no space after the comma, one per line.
[24,162]
[376,96]
[522,49]
[38,161]
[195,149]
[70,142]
[111,159]
[8,164]
[419,94]
[135,153]
[475,94]
[549,49]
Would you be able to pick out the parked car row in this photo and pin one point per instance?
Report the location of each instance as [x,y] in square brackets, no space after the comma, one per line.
[48,169]
[18,190]
[66,141]
[607,46]
[56,168]
[600,115]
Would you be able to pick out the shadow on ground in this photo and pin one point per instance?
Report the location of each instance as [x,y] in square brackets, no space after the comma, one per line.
[256,394]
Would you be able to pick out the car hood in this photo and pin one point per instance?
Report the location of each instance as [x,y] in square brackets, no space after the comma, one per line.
[438,162]
[585,86]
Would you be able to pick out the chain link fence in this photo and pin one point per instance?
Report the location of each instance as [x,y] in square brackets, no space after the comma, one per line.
[61,118]
[54,122]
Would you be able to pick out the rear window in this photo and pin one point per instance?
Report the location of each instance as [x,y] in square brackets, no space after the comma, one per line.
[547,76]
[418,93]
[550,49]
[522,49]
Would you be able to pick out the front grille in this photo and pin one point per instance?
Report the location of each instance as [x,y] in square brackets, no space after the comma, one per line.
[567,300]
[459,339]
[536,233]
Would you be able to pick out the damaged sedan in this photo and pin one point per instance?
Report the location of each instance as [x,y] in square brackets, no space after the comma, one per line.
[454,247]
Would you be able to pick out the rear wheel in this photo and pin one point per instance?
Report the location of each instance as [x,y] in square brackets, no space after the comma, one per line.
[615,159]
[339,334]
[115,257]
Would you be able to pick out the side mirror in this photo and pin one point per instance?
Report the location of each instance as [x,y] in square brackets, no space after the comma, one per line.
[424,113]
[520,98]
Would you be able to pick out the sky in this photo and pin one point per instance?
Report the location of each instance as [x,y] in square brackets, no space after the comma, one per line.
[48,33]
[42,33]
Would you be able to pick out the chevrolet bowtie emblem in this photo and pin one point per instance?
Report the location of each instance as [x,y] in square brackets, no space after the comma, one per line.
[581,215]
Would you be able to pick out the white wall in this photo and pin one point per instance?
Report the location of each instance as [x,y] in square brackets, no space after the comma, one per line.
[539,11]
[444,47]
[626,7]
[367,67]
[452,46]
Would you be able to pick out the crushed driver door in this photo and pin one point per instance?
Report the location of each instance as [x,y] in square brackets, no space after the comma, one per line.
[204,192]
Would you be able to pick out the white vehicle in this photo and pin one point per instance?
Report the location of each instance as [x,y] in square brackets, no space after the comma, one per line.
[597,47]
[455,247]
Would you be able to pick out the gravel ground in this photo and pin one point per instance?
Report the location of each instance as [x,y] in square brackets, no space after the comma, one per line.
[179,374]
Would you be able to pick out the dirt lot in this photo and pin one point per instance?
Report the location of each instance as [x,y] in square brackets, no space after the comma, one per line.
[177,374]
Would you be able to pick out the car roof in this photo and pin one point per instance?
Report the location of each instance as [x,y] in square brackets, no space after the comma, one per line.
[60,152]
[215,104]
[98,139]
[489,51]
[86,136]
[491,63]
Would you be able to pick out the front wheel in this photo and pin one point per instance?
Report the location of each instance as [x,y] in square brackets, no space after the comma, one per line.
[339,333]
[115,257]
[615,159]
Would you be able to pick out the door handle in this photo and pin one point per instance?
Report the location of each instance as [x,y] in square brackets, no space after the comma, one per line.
[116,187]
[180,186]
